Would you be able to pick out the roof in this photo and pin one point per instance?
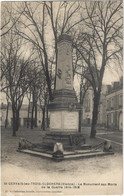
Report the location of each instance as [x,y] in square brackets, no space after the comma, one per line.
[24,106]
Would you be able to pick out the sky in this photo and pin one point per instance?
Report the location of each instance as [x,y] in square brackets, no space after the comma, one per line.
[109,76]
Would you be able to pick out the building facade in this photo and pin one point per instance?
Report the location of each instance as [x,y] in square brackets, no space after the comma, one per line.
[88,108]
[23,120]
[114,110]
[110,113]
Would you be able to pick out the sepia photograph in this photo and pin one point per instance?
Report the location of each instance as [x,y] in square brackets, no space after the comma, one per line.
[61,98]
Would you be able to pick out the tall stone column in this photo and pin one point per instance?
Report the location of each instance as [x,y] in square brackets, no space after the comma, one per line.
[64,77]
[64,109]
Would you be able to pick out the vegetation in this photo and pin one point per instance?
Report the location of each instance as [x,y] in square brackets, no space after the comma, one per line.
[96,31]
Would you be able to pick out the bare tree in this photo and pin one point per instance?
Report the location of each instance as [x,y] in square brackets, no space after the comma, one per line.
[34,33]
[7,20]
[35,89]
[40,18]
[100,44]
[64,17]
[15,76]
[84,86]
[28,95]
[7,109]
[44,100]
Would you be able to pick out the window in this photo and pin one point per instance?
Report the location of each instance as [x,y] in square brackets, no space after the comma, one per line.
[107,104]
[112,118]
[116,102]
[87,105]
[112,103]
[120,100]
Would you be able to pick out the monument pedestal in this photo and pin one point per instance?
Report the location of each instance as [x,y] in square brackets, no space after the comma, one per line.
[64,120]
[70,140]
[64,108]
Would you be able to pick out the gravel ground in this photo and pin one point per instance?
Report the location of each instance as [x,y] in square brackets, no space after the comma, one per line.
[45,177]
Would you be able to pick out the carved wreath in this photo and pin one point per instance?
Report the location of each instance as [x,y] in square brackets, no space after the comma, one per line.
[75,140]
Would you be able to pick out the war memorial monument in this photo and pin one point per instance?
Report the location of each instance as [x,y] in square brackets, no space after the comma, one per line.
[63,140]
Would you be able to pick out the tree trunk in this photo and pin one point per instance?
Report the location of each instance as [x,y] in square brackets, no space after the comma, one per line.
[95,114]
[36,115]
[17,120]
[28,114]
[80,120]
[56,51]
[47,118]
[43,118]
[32,117]
[6,120]
[80,112]
[32,111]
[13,122]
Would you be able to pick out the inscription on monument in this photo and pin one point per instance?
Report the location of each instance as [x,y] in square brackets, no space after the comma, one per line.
[70,120]
[55,120]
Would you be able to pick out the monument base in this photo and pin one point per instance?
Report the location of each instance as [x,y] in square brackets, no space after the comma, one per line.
[69,140]
[67,155]
[64,119]
[64,146]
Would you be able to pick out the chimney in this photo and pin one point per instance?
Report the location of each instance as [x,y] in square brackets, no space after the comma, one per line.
[115,85]
[109,88]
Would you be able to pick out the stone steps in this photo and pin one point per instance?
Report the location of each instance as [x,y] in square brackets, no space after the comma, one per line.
[68,155]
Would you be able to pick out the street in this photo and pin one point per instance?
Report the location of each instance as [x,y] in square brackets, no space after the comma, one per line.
[19,167]
[116,137]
